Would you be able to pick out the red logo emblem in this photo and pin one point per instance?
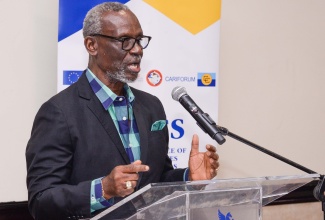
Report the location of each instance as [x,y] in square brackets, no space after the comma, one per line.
[154,78]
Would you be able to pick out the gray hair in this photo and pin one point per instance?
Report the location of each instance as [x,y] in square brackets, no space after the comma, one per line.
[93,23]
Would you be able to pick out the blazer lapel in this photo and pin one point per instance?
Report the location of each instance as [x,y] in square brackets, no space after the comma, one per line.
[102,115]
[139,115]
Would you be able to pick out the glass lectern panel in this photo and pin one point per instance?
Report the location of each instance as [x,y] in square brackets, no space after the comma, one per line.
[204,199]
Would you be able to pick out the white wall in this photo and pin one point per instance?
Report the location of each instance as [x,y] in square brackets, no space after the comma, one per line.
[28,71]
[271,84]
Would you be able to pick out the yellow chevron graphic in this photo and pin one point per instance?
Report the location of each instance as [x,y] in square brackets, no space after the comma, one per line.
[193,15]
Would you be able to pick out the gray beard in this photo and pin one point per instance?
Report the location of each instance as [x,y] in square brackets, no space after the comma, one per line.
[118,76]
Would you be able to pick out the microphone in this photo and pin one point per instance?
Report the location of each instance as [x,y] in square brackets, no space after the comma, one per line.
[203,120]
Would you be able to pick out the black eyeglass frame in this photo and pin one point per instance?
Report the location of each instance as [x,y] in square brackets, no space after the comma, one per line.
[123,39]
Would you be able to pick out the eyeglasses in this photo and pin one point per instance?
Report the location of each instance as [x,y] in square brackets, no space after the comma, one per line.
[129,42]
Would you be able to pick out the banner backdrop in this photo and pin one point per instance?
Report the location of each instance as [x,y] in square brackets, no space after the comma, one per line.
[184,51]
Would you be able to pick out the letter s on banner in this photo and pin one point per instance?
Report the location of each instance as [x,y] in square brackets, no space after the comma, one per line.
[177,128]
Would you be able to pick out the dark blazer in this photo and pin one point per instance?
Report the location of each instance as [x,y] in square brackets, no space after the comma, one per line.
[74,141]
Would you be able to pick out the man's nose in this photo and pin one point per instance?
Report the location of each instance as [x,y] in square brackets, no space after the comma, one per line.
[136,49]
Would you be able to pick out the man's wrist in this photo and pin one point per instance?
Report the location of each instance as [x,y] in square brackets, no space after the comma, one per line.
[104,195]
[97,199]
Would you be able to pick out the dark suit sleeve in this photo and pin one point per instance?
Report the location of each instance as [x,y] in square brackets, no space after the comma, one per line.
[49,157]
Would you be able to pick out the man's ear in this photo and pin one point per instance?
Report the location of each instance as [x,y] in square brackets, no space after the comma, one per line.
[91,45]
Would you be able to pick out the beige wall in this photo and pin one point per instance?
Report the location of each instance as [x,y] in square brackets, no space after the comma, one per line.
[301,211]
[271,84]
[272,75]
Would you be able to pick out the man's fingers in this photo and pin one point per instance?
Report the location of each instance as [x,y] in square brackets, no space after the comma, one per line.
[211,152]
[123,179]
[195,145]
[214,164]
[213,156]
[211,148]
[135,167]
[130,184]
[137,162]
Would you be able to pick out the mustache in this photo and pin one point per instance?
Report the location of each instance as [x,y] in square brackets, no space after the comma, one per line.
[136,58]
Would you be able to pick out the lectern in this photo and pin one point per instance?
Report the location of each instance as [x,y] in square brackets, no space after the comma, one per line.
[217,199]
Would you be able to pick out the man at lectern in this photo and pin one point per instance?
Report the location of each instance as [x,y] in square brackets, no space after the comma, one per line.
[100,140]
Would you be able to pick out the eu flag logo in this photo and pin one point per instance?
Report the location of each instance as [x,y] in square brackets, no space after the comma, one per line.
[71,76]
[206,79]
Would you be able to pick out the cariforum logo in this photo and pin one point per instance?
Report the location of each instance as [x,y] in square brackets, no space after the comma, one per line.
[206,79]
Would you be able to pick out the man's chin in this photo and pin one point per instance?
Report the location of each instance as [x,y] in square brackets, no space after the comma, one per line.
[129,78]
[132,78]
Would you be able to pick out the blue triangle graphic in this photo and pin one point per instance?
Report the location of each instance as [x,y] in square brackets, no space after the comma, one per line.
[72,14]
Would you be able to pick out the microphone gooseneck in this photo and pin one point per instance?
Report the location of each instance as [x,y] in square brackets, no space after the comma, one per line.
[209,126]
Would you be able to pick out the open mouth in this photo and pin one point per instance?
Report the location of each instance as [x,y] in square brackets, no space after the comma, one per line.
[134,67]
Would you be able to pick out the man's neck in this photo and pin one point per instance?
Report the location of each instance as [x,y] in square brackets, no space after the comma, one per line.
[114,85]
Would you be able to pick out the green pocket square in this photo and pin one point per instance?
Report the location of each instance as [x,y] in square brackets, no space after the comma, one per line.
[158,125]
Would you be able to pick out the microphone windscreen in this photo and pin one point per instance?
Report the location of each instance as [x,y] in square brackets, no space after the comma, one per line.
[178,92]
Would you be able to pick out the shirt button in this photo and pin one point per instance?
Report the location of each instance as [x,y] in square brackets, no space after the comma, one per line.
[120,99]
[124,118]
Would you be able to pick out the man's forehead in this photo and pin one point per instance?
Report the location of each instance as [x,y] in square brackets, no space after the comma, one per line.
[119,21]
[118,16]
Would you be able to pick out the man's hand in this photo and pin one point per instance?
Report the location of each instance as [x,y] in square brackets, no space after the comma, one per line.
[203,166]
[115,184]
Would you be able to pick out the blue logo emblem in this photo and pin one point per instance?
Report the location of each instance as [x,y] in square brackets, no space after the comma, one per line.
[71,76]
[206,79]
[228,216]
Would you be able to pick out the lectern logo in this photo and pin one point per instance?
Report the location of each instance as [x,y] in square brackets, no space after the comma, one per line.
[228,216]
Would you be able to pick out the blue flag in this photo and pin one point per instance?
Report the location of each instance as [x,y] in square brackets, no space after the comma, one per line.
[71,76]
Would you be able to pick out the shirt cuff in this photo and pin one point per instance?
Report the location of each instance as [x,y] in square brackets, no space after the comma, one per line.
[97,201]
[186,174]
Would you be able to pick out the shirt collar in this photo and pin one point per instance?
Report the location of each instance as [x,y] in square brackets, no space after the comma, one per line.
[105,94]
